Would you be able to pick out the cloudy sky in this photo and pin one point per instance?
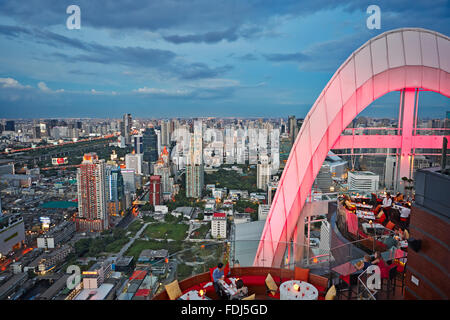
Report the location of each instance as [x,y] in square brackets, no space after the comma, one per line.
[185,58]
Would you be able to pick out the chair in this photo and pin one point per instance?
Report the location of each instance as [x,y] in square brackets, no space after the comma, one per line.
[173,290]
[320,282]
[301,274]
[252,297]
[271,287]
[331,293]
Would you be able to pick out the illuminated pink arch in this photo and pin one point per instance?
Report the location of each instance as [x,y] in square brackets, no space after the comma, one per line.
[400,59]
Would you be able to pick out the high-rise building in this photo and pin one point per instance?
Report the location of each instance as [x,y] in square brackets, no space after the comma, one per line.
[292,126]
[125,128]
[10,125]
[150,141]
[194,180]
[162,168]
[115,191]
[165,133]
[92,196]
[194,169]
[134,161]
[155,192]
[263,173]
[138,143]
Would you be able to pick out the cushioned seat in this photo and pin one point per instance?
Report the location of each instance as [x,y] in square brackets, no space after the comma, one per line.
[173,290]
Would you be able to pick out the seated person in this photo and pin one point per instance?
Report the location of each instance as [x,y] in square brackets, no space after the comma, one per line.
[398,197]
[236,264]
[218,275]
[378,260]
[363,265]
[241,290]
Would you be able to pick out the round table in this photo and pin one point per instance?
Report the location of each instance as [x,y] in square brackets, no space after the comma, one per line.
[193,295]
[306,291]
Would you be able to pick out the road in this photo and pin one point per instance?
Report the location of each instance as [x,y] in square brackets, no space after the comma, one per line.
[130,243]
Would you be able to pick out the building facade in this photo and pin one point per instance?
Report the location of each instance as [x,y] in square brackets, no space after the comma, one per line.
[92,196]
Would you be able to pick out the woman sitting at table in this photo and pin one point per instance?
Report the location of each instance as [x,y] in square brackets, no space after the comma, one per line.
[378,260]
[241,290]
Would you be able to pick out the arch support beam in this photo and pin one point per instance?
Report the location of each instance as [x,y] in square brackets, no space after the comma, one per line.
[395,60]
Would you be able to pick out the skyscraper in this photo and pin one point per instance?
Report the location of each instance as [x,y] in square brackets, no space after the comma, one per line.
[115,190]
[134,161]
[125,128]
[155,192]
[194,168]
[292,125]
[165,133]
[263,173]
[92,196]
[150,141]
[138,143]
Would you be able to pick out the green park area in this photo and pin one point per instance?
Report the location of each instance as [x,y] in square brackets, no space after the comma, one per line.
[139,245]
[201,232]
[166,231]
[134,227]
[233,180]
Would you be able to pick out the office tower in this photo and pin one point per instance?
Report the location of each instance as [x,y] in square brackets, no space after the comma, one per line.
[125,128]
[129,180]
[91,178]
[134,161]
[10,125]
[150,141]
[263,173]
[115,190]
[165,133]
[138,144]
[155,193]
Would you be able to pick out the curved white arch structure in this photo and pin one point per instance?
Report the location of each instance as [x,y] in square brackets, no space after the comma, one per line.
[402,59]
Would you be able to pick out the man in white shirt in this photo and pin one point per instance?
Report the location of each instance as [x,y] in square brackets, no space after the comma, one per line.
[386,206]
[387,202]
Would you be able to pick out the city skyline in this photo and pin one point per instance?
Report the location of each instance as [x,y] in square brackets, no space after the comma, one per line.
[248,60]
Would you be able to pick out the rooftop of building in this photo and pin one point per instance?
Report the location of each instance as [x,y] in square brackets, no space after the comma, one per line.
[95,294]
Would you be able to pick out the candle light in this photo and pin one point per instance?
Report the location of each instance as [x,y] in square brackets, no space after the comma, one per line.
[296,287]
